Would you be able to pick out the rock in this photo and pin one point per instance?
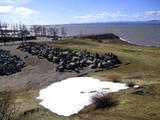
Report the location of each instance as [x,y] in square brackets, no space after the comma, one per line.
[9,64]
[93,66]
[69,60]
[26,56]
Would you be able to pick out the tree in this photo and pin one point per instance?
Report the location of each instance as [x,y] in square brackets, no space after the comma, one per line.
[34,30]
[3,29]
[44,31]
[53,31]
[63,31]
[23,31]
[37,30]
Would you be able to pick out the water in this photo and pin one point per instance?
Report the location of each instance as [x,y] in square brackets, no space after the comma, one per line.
[143,34]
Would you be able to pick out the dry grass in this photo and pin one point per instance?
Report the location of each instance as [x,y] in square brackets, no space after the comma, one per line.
[7,110]
[103,101]
[114,78]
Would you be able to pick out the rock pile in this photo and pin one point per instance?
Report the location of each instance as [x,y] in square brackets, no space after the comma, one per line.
[69,60]
[9,64]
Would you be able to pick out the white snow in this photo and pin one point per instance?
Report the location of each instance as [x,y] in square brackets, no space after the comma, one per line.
[71,95]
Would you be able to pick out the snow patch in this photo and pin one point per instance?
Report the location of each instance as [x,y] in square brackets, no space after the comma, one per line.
[71,95]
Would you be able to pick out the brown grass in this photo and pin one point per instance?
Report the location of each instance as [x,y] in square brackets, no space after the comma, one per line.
[7,110]
[131,84]
[114,78]
[103,101]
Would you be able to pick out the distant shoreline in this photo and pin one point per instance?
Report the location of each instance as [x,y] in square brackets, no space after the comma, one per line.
[139,34]
[138,44]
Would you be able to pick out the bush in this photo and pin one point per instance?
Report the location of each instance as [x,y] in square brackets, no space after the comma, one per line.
[131,84]
[7,110]
[116,81]
[103,101]
[114,78]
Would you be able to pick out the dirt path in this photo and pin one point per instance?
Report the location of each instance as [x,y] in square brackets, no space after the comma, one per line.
[37,74]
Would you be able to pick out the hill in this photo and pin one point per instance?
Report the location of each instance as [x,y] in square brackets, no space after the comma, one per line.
[140,65]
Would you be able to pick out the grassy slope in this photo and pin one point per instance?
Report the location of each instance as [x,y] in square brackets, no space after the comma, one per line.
[145,61]
[144,69]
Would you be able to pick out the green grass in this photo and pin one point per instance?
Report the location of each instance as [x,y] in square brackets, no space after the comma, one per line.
[83,42]
[143,69]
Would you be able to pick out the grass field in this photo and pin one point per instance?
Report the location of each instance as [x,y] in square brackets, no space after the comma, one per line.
[139,65]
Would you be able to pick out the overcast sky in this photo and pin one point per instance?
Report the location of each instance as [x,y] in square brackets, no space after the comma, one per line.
[78,11]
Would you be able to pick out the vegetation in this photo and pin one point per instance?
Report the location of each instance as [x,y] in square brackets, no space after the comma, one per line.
[139,65]
[114,78]
[103,101]
[7,110]
[131,84]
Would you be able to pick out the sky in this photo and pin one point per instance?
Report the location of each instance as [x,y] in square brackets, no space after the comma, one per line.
[78,11]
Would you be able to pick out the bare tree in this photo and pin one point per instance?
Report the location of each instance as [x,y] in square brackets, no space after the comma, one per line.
[24,32]
[20,28]
[15,28]
[4,32]
[44,31]
[56,31]
[34,30]
[63,32]
[40,29]
[1,31]
[37,30]
[53,31]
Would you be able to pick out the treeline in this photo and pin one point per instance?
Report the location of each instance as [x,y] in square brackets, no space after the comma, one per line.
[42,30]
[19,31]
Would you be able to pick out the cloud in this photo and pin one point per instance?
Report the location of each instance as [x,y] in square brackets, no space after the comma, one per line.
[155,13]
[5,9]
[148,14]
[24,11]
[14,10]
[101,15]
[17,13]
[113,16]
[14,2]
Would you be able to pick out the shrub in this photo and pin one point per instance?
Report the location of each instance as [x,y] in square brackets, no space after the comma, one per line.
[116,81]
[103,101]
[114,78]
[131,84]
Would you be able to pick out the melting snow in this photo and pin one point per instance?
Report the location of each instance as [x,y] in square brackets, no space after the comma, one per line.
[71,95]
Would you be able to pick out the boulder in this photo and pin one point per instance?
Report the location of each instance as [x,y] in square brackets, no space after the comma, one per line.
[70,60]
